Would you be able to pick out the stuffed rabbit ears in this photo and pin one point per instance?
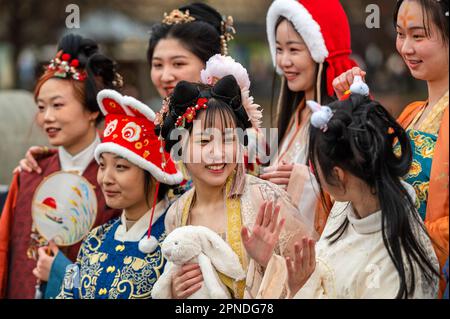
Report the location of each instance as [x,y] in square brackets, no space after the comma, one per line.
[112,102]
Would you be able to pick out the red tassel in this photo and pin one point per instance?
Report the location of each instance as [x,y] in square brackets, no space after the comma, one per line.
[155,197]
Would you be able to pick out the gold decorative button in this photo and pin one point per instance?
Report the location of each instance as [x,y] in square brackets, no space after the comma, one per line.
[110,269]
[120,247]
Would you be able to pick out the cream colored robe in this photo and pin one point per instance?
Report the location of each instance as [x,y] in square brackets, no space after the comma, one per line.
[356,266]
[303,187]
[256,191]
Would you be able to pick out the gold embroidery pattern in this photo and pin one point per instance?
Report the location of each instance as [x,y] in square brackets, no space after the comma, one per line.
[134,279]
[432,123]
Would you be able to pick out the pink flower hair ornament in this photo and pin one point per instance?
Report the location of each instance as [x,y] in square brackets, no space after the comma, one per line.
[219,66]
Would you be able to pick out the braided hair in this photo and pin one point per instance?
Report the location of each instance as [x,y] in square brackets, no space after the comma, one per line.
[359,139]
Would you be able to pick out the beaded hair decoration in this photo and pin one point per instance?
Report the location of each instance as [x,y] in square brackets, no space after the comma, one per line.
[191,112]
[228,32]
[66,67]
[177,17]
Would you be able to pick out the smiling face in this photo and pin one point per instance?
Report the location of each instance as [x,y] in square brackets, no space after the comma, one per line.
[122,183]
[294,59]
[211,153]
[62,116]
[426,56]
[172,63]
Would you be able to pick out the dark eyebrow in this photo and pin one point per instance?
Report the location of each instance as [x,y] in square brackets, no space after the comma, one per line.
[172,57]
[412,28]
[119,157]
[293,42]
[52,98]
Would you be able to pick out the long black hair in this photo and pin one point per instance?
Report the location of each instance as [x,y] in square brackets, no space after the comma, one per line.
[201,37]
[289,100]
[433,12]
[359,140]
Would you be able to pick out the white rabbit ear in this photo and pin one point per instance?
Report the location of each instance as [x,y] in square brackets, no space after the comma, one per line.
[313,105]
[220,253]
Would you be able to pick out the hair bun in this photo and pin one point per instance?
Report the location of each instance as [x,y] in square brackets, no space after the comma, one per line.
[204,13]
[228,90]
[78,47]
[183,96]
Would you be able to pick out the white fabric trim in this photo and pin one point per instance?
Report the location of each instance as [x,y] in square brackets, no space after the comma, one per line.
[126,102]
[140,228]
[161,176]
[303,22]
[80,161]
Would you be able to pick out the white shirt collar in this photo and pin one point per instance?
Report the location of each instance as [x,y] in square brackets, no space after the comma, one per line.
[138,230]
[367,225]
[373,222]
[80,161]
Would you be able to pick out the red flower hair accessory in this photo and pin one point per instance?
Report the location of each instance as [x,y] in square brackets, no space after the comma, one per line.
[191,112]
[66,67]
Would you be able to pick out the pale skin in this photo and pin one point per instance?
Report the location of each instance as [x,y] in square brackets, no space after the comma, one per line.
[122,184]
[426,56]
[59,108]
[299,70]
[171,63]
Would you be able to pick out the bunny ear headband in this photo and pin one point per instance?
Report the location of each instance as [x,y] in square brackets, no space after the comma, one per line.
[322,114]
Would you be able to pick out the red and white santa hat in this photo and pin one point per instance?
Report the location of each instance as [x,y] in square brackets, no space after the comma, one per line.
[130,133]
[323,26]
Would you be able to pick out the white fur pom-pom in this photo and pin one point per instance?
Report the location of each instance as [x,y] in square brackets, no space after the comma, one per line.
[359,87]
[321,118]
[148,245]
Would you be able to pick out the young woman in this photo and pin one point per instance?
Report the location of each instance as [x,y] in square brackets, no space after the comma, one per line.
[181,44]
[422,40]
[68,113]
[223,197]
[310,45]
[374,244]
[179,48]
[122,259]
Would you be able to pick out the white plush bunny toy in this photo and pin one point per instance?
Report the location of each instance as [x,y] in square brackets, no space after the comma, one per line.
[198,244]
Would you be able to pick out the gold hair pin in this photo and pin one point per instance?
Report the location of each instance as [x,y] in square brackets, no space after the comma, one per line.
[177,17]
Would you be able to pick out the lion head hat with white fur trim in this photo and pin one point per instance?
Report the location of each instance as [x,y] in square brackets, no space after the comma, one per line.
[130,133]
